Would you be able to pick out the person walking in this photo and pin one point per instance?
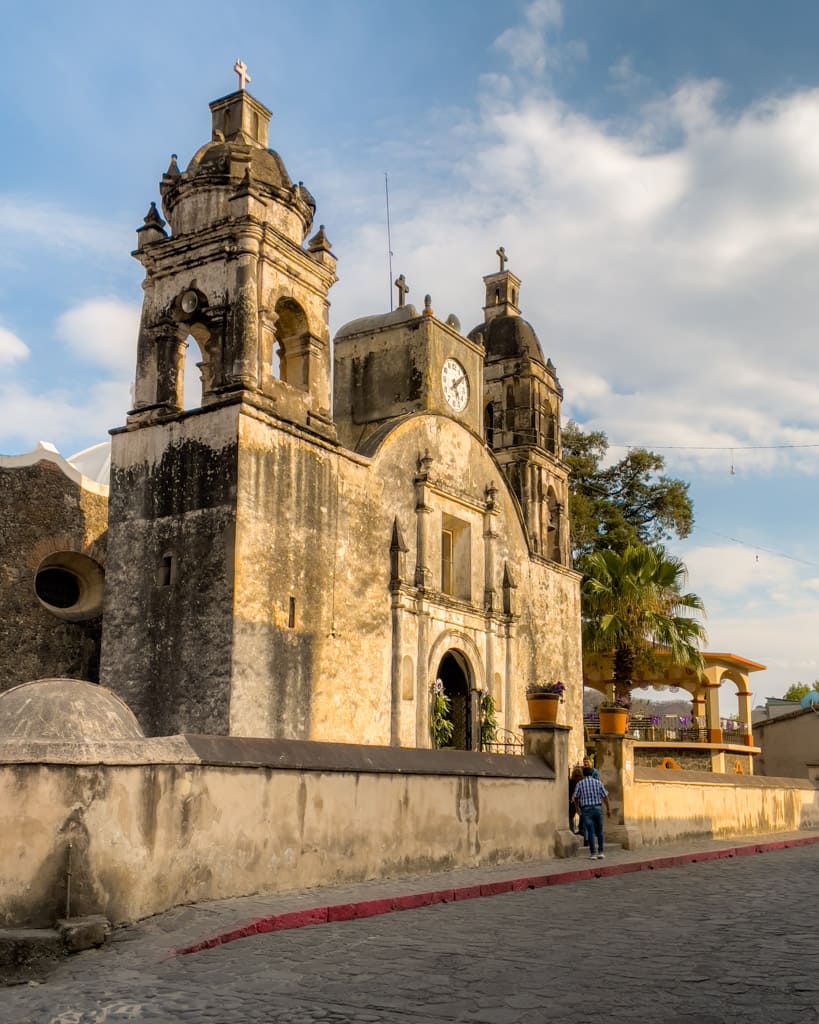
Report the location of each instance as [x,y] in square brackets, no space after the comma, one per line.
[588,764]
[574,778]
[590,795]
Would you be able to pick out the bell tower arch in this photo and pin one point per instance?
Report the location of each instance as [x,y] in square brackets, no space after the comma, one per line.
[235,266]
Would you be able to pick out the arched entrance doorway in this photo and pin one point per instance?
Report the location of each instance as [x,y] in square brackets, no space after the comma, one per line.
[454,673]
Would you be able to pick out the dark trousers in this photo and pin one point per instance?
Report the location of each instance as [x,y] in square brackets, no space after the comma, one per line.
[591,825]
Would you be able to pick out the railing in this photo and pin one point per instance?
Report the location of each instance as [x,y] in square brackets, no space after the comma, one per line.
[505,742]
[671,728]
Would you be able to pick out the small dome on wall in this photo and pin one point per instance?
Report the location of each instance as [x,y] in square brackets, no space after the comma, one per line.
[67,710]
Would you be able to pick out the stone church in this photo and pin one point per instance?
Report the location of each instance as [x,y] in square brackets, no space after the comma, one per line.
[332,527]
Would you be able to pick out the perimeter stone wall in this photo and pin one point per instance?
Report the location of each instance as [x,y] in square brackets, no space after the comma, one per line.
[157,823]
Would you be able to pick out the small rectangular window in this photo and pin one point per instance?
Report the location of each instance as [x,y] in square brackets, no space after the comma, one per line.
[456,558]
[447,574]
[165,573]
[291,614]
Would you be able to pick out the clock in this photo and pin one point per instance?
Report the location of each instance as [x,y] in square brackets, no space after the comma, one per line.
[455,384]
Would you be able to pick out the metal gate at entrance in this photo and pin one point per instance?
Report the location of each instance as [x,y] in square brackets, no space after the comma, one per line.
[454,673]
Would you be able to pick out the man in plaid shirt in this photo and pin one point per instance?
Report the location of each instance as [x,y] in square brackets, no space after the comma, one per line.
[589,796]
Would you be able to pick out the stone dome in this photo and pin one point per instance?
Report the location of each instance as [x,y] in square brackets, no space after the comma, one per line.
[508,337]
[65,709]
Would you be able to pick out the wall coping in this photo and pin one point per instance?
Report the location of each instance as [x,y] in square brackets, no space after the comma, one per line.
[287,755]
[687,777]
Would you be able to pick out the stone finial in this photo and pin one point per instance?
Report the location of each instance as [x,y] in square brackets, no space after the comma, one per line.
[319,242]
[153,218]
[491,495]
[428,305]
[424,461]
[500,252]
[173,168]
[153,228]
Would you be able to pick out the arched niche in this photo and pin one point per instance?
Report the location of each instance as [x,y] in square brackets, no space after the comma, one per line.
[289,362]
[553,526]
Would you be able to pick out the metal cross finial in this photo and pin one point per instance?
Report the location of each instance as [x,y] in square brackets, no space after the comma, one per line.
[501,254]
[403,288]
[241,70]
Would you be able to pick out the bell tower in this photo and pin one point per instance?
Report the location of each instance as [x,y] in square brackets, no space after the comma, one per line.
[522,398]
[232,283]
[198,494]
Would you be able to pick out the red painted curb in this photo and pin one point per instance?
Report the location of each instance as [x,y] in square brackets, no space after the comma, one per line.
[412,901]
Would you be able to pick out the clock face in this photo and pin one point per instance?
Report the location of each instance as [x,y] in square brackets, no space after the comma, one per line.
[455,384]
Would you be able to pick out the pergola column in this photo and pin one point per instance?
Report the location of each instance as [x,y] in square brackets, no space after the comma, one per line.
[744,712]
[697,708]
[711,685]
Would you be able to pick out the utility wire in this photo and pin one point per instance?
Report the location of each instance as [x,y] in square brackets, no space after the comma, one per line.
[713,447]
[758,547]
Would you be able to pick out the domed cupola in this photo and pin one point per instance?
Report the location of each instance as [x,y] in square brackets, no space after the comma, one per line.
[508,337]
[236,159]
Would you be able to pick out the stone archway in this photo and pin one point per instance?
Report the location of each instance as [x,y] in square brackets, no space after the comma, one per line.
[455,674]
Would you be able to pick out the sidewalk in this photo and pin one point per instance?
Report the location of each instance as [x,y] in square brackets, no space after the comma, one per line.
[189,929]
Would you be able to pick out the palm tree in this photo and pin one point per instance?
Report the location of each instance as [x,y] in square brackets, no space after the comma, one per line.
[633,604]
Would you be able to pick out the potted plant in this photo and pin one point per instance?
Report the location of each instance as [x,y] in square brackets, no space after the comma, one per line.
[613,715]
[543,699]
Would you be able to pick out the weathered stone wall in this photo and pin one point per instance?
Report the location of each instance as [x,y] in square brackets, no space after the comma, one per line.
[691,760]
[667,805]
[279,620]
[153,824]
[167,643]
[43,511]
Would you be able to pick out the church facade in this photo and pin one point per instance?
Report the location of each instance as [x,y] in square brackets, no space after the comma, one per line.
[281,562]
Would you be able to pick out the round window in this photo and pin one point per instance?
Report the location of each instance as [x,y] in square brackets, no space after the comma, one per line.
[57,587]
[70,586]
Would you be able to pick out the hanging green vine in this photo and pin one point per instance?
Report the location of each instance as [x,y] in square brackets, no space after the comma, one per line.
[489,721]
[441,725]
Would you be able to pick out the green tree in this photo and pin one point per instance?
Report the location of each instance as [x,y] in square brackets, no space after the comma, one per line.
[627,503]
[799,690]
[633,604]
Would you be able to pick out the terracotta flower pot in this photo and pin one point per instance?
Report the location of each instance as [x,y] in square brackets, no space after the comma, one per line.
[543,707]
[613,721]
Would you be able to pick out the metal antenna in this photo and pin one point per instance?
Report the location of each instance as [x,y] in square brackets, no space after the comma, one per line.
[389,237]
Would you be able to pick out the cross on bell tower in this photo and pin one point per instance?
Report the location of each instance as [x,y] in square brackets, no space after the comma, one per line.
[241,70]
[403,289]
[502,290]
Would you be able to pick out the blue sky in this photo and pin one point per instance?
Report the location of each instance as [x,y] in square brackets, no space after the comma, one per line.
[651,167]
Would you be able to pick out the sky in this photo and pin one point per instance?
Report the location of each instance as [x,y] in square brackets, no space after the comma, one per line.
[650,166]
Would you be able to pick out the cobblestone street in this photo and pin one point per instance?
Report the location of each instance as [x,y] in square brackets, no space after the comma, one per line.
[731,940]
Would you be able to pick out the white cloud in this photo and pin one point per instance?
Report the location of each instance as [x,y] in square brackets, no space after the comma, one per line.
[11,347]
[102,331]
[669,266]
[528,45]
[60,416]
